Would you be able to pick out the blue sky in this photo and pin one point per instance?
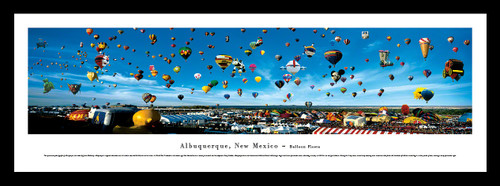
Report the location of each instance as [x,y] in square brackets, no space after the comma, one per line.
[129,90]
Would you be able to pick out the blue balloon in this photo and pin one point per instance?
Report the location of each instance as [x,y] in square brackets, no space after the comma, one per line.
[255,94]
[226,96]
[427,94]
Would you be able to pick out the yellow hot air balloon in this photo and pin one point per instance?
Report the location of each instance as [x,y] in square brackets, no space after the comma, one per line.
[258,79]
[205,89]
[92,45]
[92,76]
[177,69]
[418,93]
[154,73]
[262,52]
[224,86]
[118,45]
[223,61]
[146,117]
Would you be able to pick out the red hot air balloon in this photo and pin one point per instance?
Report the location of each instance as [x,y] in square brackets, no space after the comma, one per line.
[455,49]
[405,109]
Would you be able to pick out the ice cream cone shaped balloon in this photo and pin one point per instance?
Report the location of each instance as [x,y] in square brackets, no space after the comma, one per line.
[424,46]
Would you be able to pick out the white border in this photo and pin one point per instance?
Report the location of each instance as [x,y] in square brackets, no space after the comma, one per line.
[470,149]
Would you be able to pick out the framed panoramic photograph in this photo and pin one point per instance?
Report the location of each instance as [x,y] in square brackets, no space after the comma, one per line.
[205,92]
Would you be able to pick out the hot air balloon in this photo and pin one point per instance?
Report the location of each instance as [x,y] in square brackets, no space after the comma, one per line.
[453,68]
[180,96]
[197,76]
[410,78]
[146,97]
[244,80]
[309,50]
[248,52]
[253,44]
[308,104]
[101,60]
[347,41]
[289,96]
[338,38]
[258,78]
[360,83]
[239,92]
[327,94]
[252,67]
[227,96]
[402,63]
[74,88]
[364,90]
[177,69]
[343,90]
[96,36]
[293,67]
[138,76]
[365,34]
[343,79]
[89,31]
[354,94]
[153,38]
[332,83]
[427,73]
[333,56]
[279,83]
[278,57]
[427,95]
[337,75]
[384,58]
[223,61]
[424,46]
[388,38]
[47,86]
[213,83]
[255,94]
[455,49]
[297,58]
[92,76]
[224,84]
[153,99]
[467,42]
[297,81]
[185,52]
[287,44]
[165,77]
[451,39]
[418,93]
[391,77]
[287,77]
[206,89]
[407,41]
[311,86]
[405,109]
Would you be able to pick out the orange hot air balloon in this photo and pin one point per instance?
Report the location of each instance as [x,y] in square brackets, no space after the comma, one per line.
[424,46]
[89,31]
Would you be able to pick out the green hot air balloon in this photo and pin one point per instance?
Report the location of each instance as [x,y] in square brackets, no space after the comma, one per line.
[185,52]
[47,85]
[213,83]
